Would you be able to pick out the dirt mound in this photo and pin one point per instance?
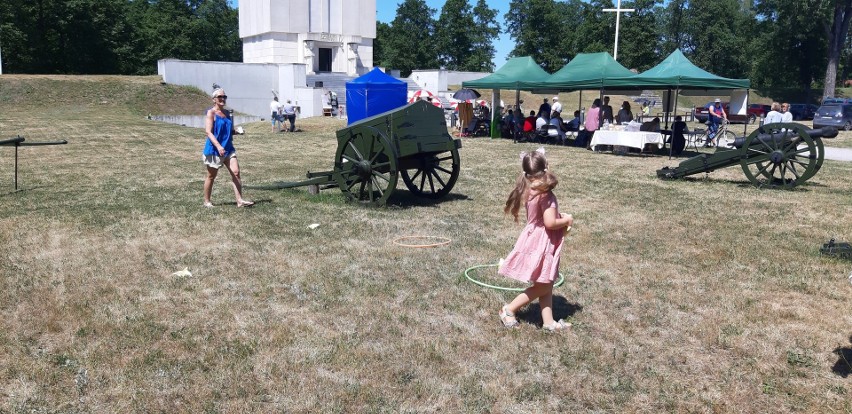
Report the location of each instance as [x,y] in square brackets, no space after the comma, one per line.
[135,94]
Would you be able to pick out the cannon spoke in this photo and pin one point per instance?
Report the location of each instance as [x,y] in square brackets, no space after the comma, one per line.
[380,175]
[355,150]
[438,178]
[439,168]
[348,158]
[427,178]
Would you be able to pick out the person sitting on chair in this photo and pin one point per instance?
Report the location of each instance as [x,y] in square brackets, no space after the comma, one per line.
[556,120]
[651,126]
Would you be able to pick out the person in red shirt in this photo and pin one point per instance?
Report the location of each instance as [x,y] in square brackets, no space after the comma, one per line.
[529,122]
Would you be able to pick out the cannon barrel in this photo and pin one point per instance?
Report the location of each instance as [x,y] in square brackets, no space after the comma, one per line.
[12,141]
[824,132]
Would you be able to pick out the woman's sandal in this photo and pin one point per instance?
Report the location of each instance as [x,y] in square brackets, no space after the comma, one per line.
[508,318]
[560,325]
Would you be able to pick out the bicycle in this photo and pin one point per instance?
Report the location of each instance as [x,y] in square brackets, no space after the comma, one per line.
[711,140]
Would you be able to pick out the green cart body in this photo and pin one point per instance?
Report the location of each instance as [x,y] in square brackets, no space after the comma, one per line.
[410,141]
[776,155]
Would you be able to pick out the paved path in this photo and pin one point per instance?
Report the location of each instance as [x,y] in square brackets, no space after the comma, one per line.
[838,154]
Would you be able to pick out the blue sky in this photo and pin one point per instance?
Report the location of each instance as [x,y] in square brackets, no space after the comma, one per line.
[386,11]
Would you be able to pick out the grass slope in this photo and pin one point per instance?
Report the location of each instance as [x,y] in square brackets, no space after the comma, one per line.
[698,295]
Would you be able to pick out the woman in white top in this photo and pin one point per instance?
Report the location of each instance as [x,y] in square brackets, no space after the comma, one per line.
[774,116]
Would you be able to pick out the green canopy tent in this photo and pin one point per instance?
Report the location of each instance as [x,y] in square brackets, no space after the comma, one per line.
[676,71]
[512,75]
[586,71]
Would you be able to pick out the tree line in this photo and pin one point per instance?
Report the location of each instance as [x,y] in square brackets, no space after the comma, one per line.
[114,36]
[778,44]
[786,46]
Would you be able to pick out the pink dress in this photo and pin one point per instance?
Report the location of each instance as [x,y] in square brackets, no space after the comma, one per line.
[535,257]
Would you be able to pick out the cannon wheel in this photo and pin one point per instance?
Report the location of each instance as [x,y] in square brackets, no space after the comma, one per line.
[366,167]
[781,162]
[434,174]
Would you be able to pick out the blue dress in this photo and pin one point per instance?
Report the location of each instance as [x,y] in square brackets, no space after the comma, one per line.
[222,129]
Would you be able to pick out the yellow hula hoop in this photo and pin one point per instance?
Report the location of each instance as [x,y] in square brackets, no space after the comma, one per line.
[442,241]
[509,289]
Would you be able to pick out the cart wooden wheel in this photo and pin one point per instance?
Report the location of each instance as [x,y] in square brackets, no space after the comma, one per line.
[432,175]
[784,156]
[365,167]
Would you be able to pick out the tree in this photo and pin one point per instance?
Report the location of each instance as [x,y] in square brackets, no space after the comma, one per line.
[409,44]
[383,33]
[789,47]
[537,26]
[716,33]
[837,31]
[639,35]
[487,30]
[454,34]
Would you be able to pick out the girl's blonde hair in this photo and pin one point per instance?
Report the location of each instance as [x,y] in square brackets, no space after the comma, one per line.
[533,177]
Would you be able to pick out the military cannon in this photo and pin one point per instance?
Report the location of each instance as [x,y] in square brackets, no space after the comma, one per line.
[20,141]
[411,141]
[775,155]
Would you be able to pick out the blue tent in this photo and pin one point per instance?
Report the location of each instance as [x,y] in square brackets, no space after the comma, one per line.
[372,94]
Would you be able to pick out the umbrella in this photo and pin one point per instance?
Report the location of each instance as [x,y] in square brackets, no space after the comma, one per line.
[465,94]
[422,94]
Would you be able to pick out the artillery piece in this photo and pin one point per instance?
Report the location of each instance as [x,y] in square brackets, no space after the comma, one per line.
[775,155]
[20,141]
[411,141]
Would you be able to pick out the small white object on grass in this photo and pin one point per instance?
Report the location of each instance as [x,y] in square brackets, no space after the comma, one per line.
[183,273]
[313,226]
[240,130]
[850,277]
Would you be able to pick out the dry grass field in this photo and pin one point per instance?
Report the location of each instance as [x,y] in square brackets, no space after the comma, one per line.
[699,295]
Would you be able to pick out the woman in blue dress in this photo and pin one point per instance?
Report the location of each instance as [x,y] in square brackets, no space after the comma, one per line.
[219,149]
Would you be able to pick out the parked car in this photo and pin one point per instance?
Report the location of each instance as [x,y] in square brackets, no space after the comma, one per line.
[803,111]
[756,111]
[836,115]
[752,113]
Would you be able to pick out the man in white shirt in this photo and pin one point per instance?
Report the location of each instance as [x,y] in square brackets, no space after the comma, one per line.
[290,114]
[556,107]
[275,109]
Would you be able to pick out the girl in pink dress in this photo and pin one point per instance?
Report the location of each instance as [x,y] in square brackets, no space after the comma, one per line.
[535,257]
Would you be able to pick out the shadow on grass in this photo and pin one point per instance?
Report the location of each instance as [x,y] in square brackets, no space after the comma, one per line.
[562,309]
[406,199]
[843,366]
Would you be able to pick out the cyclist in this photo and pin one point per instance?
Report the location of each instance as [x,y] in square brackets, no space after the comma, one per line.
[715,115]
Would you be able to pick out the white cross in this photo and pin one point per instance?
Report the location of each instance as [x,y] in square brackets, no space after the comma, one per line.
[618,10]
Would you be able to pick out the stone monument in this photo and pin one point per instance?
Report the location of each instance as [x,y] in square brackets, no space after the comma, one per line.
[328,36]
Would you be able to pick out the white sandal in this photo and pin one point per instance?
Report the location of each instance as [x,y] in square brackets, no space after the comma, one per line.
[508,318]
[560,325]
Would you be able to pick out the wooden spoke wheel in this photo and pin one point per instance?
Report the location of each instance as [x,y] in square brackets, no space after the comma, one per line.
[432,175]
[365,167]
[784,156]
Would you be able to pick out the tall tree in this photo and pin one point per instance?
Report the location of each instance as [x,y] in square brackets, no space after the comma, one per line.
[837,31]
[454,34]
[639,36]
[537,26]
[783,57]
[713,37]
[487,31]
[410,44]
[383,33]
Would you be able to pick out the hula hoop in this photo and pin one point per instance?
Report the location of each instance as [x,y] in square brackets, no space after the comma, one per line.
[510,289]
[442,241]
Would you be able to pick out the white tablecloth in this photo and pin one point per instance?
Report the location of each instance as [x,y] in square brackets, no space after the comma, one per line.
[627,138]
